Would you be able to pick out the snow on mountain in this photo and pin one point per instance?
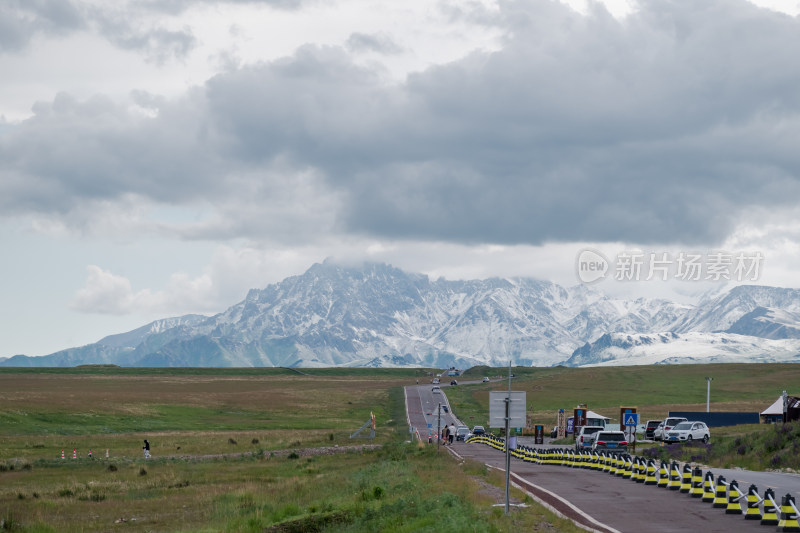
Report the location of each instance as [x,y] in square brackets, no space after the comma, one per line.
[378,315]
[616,349]
[721,312]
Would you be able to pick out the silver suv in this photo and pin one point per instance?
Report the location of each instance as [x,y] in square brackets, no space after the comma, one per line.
[610,440]
[585,438]
[668,424]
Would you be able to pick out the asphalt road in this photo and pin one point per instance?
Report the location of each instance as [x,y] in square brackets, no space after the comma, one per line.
[598,500]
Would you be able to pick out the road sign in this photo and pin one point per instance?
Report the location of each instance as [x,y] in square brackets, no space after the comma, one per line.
[632,419]
[497,409]
[430,425]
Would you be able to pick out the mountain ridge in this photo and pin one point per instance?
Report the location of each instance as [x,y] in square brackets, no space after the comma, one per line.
[377,315]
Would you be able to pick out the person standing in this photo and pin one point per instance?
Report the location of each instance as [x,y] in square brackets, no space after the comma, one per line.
[452,435]
[146,449]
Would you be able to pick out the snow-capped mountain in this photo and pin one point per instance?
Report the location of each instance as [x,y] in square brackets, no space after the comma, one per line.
[377,315]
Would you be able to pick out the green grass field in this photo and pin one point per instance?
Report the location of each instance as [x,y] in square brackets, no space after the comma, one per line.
[220,463]
[653,390]
[228,444]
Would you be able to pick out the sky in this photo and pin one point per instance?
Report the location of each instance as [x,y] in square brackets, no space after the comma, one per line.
[163,157]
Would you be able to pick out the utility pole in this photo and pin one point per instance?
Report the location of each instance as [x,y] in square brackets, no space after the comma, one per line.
[708,395]
[508,452]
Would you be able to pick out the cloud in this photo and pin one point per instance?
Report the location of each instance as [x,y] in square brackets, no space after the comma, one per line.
[21,20]
[379,43]
[662,127]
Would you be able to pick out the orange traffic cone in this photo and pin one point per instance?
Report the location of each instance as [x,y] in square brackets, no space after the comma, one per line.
[74,454]
[62,454]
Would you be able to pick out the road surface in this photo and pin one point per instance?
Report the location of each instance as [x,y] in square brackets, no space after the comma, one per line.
[602,502]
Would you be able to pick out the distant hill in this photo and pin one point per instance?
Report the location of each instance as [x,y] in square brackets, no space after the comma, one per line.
[375,315]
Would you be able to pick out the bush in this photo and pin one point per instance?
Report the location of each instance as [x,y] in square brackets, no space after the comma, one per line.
[142,472]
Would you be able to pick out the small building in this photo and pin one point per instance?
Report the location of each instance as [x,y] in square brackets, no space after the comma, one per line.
[774,413]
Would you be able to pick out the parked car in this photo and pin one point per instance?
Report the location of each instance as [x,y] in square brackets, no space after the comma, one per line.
[485,379]
[462,432]
[610,440]
[436,390]
[650,427]
[669,423]
[445,409]
[658,433]
[585,437]
[453,383]
[435,381]
[554,433]
[687,432]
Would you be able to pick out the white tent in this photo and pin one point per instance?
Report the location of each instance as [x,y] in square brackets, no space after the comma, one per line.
[774,409]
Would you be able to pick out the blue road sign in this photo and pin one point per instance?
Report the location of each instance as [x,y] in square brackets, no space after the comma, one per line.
[632,419]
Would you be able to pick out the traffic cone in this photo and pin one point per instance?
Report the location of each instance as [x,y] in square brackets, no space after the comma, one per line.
[686,479]
[720,501]
[62,454]
[650,477]
[663,475]
[674,477]
[753,511]
[788,521]
[697,483]
[770,509]
[640,470]
[74,454]
[734,507]
[708,488]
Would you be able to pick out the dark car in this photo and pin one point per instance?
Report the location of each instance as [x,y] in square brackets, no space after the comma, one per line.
[478,430]
[461,433]
[454,382]
[650,428]
[554,433]
[445,409]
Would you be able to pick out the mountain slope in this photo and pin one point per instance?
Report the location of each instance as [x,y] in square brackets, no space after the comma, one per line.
[377,315]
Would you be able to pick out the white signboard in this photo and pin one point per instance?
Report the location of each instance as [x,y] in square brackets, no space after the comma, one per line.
[497,409]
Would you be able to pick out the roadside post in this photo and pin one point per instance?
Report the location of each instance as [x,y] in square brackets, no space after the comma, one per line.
[579,416]
[538,434]
[629,419]
[506,410]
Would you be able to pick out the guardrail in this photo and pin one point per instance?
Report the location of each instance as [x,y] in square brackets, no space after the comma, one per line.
[686,480]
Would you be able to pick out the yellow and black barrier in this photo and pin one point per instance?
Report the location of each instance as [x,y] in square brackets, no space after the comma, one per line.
[697,483]
[789,515]
[733,507]
[753,501]
[770,517]
[720,496]
[708,488]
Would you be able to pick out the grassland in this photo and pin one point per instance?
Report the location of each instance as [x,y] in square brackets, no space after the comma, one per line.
[216,463]
[653,390]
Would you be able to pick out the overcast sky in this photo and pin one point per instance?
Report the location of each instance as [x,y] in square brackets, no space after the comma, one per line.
[162,157]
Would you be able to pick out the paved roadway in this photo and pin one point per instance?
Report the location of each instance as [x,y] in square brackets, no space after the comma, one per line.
[599,501]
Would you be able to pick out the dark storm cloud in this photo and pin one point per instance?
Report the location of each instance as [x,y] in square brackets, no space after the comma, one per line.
[21,20]
[668,126]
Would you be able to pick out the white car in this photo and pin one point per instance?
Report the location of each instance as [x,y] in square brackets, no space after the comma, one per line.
[485,379]
[668,423]
[436,390]
[688,432]
[585,438]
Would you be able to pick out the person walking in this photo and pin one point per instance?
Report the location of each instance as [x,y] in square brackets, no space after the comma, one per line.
[146,449]
[452,435]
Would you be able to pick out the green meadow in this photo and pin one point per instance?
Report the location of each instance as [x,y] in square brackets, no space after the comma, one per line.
[232,450]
